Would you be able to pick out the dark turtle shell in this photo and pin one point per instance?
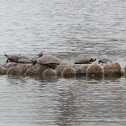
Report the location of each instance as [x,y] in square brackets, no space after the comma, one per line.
[84,60]
[48,59]
[105,60]
[12,57]
[24,61]
[22,57]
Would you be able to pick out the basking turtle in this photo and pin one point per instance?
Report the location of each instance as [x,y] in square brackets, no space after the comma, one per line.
[22,57]
[12,57]
[84,60]
[49,60]
[24,61]
[105,60]
[34,59]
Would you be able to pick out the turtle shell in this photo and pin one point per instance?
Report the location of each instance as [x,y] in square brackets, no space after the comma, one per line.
[22,57]
[48,59]
[24,61]
[12,57]
[84,60]
[105,60]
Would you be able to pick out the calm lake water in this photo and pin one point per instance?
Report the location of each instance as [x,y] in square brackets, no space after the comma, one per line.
[66,29]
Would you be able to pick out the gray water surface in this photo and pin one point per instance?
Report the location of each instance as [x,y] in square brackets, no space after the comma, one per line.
[66,29]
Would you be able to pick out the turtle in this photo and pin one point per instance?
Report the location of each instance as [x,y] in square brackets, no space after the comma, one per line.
[105,60]
[84,60]
[24,60]
[22,57]
[12,57]
[34,59]
[49,60]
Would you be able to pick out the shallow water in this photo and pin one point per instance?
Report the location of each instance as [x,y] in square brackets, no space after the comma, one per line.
[66,29]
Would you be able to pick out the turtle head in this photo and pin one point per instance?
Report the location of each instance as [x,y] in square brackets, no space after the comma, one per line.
[100,61]
[34,62]
[92,60]
[6,55]
[40,54]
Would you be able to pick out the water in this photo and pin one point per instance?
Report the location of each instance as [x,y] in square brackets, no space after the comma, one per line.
[66,29]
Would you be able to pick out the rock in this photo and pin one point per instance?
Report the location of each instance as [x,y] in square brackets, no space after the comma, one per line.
[49,72]
[14,70]
[40,68]
[23,67]
[59,69]
[31,72]
[3,70]
[94,70]
[68,72]
[9,64]
[112,69]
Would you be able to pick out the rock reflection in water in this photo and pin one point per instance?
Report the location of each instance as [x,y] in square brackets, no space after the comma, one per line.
[99,104]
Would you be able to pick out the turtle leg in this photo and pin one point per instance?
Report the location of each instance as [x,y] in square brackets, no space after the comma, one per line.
[34,62]
[52,66]
[7,61]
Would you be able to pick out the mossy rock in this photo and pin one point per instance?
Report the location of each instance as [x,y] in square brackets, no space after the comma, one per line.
[31,72]
[49,72]
[14,71]
[112,69]
[59,69]
[9,64]
[3,70]
[23,67]
[68,72]
[94,70]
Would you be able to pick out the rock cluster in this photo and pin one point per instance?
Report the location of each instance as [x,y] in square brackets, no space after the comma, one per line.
[63,70]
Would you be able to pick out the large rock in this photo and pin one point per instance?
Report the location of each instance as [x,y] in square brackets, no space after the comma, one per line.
[32,71]
[49,72]
[68,72]
[14,70]
[112,69]
[94,70]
